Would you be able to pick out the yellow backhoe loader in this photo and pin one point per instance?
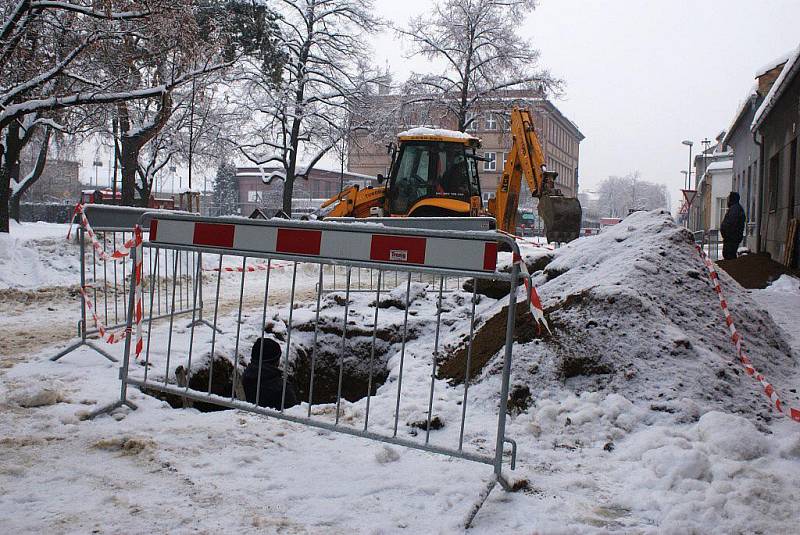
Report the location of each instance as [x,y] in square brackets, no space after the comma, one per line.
[434,173]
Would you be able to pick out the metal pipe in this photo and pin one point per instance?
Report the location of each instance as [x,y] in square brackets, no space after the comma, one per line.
[402,355]
[344,344]
[372,351]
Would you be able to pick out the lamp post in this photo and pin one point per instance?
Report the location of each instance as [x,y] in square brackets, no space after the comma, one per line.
[689,144]
[97,165]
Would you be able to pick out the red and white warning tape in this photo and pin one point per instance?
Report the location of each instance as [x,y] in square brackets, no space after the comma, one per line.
[533,296]
[138,309]
[109,338]
[250,269]
[736,338]
[119,254]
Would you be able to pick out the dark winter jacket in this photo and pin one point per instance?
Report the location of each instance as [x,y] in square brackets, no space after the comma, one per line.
[271,386]
[732,226]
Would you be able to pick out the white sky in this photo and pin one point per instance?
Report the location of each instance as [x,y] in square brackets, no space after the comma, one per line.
[641,75]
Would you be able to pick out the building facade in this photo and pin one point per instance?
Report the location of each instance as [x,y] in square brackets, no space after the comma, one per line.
[715,186]
[256,190]
[747,153]
[58,184]
[776,124]
[560,138]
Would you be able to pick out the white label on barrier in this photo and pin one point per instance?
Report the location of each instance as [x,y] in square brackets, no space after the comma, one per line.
[398,255]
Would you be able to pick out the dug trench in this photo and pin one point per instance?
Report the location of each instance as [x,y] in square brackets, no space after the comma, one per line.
[358,377]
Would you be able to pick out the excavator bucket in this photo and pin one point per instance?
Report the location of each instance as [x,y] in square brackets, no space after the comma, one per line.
[561,216]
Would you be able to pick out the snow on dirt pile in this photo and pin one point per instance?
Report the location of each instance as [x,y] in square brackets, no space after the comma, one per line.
[633,312]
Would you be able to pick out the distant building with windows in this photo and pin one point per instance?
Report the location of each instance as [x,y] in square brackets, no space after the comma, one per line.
[258,190]
[58,183]
[560,137]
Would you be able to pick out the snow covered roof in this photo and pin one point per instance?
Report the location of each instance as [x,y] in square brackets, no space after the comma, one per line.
[424,131]
[744,105]
[777,62]
[789,71]
[719,166]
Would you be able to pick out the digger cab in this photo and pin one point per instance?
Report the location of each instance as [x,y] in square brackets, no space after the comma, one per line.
[434,174]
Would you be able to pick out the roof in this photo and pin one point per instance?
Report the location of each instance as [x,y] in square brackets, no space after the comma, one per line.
[423,133]
[741,111]
[720,166]
[777,62]
[788,73]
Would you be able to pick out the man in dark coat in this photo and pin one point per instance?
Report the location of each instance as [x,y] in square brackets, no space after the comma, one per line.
[265,356]
[732,227]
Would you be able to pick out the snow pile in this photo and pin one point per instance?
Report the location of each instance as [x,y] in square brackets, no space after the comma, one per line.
[633,312]
[35,255]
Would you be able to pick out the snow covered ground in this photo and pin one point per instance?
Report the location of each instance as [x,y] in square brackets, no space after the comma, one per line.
[595,461]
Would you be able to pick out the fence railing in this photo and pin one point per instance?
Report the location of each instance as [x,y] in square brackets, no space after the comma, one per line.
[336,349]
[105,280]
[710,242]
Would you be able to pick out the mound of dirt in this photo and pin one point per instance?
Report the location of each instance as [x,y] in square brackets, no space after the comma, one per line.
[754,270]
[632,311]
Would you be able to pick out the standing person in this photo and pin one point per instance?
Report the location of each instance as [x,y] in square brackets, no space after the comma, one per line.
[271,387]
[732,227]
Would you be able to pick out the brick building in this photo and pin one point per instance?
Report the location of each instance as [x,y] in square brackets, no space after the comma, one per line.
[560,137]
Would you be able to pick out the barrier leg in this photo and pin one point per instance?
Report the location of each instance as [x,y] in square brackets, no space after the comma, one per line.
[123,371]
[82,323]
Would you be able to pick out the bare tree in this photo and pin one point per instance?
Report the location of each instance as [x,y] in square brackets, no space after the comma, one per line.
[319,85]
[481,52]
[620,195]
[57,55]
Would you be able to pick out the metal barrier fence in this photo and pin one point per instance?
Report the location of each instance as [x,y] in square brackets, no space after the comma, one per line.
[336,346]
[709,241]
[104,281]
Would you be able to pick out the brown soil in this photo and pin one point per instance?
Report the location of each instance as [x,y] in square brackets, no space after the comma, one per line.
[754,271]
[489,338]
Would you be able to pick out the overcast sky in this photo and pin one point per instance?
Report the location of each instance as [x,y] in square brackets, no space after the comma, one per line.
[641,75]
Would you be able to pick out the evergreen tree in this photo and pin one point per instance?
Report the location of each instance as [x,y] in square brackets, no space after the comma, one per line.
[226,189]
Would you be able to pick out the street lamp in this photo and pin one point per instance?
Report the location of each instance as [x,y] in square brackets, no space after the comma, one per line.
[689,144]
[97,165]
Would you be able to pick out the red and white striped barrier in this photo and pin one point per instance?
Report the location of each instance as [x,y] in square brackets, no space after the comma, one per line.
[427,251]
[736,338]
[117,255]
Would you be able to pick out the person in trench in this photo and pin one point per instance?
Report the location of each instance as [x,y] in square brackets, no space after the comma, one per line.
[265,356]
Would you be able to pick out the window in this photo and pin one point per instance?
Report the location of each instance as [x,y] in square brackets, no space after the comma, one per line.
[491,161]
[774,181]
[252,196]
[505,159]
[491,121]
[431,169]
[722,207]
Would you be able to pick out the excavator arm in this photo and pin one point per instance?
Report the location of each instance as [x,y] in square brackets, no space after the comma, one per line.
[561,215]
